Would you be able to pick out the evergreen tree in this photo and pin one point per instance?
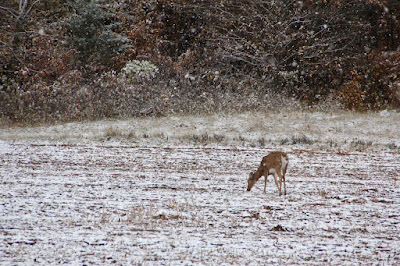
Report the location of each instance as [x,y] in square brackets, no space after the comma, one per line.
[91,29]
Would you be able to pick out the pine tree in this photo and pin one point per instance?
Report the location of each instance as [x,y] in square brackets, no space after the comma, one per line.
[91,29]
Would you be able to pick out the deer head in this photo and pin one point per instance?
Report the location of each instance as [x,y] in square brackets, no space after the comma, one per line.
[252,180]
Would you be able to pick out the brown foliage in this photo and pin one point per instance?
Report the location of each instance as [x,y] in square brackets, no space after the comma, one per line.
[212,56]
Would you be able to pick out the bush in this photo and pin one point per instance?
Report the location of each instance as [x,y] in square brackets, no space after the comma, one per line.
[137,71]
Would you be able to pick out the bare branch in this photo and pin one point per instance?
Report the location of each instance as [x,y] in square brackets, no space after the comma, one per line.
[30,9]
[9,10]
[23,12]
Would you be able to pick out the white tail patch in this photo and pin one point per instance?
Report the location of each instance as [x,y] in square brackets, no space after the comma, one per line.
[272,171]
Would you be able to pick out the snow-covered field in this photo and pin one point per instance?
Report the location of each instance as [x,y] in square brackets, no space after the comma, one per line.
[172,190]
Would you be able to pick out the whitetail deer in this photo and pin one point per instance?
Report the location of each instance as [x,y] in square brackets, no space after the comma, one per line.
[274,164]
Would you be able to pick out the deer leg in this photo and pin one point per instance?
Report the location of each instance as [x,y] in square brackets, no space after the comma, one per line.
[265,174]
[280,183]
[276,183]
[265,184]
[284,177]
[284,183]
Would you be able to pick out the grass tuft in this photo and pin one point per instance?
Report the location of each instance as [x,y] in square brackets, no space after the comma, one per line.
[393,146]
[360,144]
[206,138]
[261,142]
[112,132]
[298,139]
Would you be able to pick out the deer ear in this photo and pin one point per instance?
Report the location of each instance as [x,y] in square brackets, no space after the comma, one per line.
[251,174]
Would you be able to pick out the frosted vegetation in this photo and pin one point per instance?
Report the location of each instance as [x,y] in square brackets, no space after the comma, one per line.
[137,70]
[342,129]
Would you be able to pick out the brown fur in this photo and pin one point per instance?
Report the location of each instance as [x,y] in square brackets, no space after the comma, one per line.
[270,165]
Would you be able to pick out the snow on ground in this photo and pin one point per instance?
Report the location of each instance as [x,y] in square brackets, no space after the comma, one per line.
[173,191]
[340,129]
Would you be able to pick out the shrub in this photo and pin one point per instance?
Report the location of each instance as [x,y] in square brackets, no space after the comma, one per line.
[136,71]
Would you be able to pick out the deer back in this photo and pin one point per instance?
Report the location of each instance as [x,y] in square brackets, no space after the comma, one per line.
[275,160]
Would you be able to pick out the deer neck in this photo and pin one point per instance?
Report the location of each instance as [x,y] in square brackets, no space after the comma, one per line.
[258,173]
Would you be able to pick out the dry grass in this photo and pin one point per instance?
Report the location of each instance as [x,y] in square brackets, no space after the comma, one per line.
[112,131]
[331,130]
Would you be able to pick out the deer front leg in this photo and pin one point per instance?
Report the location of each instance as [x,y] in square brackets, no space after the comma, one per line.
[265,184]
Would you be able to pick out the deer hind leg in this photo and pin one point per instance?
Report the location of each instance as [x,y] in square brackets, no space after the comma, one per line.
[284,184]
[273,172]
[280,184]
[281,178]
[283,169]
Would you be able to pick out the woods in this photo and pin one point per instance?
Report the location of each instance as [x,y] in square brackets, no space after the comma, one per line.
[77,60]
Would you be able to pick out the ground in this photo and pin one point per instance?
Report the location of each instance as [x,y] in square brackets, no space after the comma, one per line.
[173,191]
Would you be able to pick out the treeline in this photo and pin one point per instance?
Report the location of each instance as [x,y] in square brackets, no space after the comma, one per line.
[75,60]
